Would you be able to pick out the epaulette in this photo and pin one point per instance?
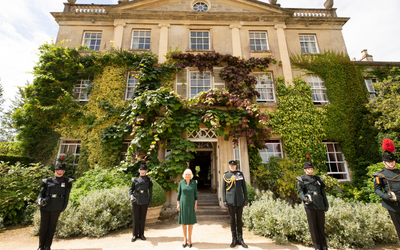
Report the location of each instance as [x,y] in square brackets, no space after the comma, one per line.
[151,178]
[44,181]
[133,178]
[300,181]
[70,180]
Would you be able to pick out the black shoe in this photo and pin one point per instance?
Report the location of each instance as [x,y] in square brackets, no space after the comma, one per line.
[234,242]
[142,237]
[47,248]
[190,245]
[184,245]
[241,242]
[133,239]
[40,248]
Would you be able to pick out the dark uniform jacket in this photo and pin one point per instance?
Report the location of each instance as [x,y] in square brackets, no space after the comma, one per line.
[237,194]
[55,192]
[142,189]
[382,183]
[315,186]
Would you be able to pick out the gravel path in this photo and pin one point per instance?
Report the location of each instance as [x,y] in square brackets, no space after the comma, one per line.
[162,235]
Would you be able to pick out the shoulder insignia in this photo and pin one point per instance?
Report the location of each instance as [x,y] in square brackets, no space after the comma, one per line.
[378,180]
[299,178]
[70,180]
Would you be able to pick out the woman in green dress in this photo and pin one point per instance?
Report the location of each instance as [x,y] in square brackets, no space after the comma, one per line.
[187,206]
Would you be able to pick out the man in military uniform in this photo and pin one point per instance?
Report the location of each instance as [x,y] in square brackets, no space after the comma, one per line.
[234,196]
[311,190]
[387,184]
[140,194]
[53,199]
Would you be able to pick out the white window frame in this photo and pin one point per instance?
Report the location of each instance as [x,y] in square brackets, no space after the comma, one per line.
[80,90]
[336,157]
[265,87]
[236,156]
[131,82]
[123,151]
[318,89]
[199,41]
[202,88]
[71,146]
[308,44]
[86,40]
[272,150]
[260,39]
[370,87]
[141,44]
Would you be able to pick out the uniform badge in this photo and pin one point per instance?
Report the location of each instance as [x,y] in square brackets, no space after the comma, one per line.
[63,185]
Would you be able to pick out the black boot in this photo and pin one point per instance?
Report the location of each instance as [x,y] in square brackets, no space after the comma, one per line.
[241,242]
[133,239]
[142,237]
[47,248]
[234,241]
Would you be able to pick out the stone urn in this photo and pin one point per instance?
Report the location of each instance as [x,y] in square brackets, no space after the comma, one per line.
[72,1]
[328,4]
[152,214]
[273,1]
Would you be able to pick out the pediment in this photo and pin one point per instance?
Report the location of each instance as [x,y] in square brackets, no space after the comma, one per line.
[215,6]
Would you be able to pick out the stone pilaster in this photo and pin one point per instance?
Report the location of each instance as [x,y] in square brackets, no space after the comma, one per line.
[163,43]
[118,33]
[284,53]
[236,46]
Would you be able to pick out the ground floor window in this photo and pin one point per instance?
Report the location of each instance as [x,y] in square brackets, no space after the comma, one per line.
[70,149]
[274,148]
[335,161]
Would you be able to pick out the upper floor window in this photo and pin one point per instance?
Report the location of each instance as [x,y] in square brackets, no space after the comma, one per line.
[335,161]
[131,83]
[265,87]
[258,41]
[274,148]
[370,87]
[92,40]
[200,7]
[308,44]
[70,147]
[318,89]
[141,39]
[199,40]
[199,82]
[81,90]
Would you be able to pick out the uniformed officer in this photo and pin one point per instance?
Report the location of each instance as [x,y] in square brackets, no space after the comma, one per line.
[234,196]
[140,194]
[53,199]
[387,184]
[311,190]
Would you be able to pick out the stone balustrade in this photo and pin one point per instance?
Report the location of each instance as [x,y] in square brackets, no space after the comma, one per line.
[314,13]
[86,8]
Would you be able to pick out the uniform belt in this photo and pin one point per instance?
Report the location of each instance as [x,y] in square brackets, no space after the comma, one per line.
[314,192]
[141,191]
[57,196]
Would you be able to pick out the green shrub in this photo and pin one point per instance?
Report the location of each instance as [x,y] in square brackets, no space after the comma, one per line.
[13,159]
[19,185]
[251,193]
[98,213]
[159,197]
[348,224]
[97,179]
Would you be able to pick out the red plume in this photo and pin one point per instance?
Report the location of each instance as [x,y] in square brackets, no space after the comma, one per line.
[62,158]
[308,156]
[144,159]
[387,145]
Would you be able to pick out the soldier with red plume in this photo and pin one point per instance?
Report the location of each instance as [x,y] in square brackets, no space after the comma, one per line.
[387,183]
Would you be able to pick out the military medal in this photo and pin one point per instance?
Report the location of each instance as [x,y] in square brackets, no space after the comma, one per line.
[63,185]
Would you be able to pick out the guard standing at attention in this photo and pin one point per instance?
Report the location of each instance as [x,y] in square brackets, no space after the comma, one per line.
[53,199]
[388,180]
[234,196]
[140,194]
[311,190]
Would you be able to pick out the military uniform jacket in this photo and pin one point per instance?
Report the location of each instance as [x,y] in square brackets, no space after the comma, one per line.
[315,186]
[383,179]
[142,189]
[55,192]
[237,193]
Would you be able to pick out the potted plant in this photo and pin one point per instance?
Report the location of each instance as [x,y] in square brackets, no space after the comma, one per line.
[159,198]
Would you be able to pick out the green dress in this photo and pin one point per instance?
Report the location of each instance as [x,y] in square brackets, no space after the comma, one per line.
[187,194]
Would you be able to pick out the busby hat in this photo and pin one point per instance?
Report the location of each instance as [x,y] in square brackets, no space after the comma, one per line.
[60,165]
[308,163]
[232,163]
[143,165]
[388,147]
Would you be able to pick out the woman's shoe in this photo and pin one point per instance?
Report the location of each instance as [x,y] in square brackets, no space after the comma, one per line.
[184,245]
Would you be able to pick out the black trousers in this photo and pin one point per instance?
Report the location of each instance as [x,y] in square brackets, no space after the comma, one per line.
[235,213]
[396,221]
[316,223]
[48,223]
[139,219]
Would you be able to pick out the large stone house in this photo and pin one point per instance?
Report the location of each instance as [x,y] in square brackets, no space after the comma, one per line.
[244,28]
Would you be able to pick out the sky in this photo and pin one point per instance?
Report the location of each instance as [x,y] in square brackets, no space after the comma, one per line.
[26,24]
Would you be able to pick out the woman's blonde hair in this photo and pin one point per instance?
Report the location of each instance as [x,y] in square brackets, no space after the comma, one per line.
[186,171]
